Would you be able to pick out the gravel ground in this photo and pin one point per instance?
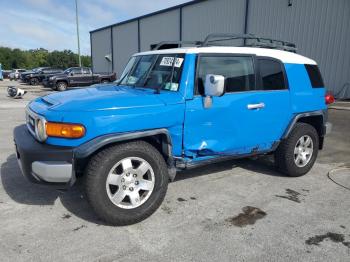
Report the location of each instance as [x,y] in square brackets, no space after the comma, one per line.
[233,211]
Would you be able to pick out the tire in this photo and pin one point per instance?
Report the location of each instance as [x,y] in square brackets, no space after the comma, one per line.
[104,81]
[61,86]
[34,81]
[99,192]
[288,158]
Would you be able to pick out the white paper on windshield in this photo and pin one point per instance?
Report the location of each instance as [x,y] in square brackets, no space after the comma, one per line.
[168,61]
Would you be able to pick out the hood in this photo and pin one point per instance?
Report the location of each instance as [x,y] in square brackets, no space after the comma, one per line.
[102,97]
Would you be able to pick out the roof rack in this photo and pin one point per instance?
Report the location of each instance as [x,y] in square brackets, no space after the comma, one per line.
[256,41]
[174,44]
[249,40]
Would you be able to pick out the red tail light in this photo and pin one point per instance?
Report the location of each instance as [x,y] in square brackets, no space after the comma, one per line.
[329,98]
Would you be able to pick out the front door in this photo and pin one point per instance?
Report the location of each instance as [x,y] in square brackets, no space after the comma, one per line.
[250,116]
[76,77]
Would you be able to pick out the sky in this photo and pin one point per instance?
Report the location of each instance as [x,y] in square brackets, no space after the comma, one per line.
[31,24]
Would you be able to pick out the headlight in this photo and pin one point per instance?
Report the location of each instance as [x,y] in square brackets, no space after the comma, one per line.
[41,129]
[65,130]
[51,78]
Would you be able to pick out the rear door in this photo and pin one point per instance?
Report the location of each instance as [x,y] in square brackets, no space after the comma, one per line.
[249,117]
[87,77]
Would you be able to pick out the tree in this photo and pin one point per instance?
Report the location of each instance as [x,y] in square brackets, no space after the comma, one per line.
[16,58]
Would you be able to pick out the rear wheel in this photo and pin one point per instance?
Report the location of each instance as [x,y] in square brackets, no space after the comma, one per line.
[126,183]
[61,86]
[296,155]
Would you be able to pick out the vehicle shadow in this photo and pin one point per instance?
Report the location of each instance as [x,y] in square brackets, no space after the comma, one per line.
[22,191]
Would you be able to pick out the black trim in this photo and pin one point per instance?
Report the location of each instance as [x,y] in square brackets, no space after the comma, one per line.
[150,14]
[29,150]
[263,42]
[295,119]
[181,164]
[88,148]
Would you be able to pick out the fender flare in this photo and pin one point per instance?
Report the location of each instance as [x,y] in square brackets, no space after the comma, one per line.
[295,119]
[87,149]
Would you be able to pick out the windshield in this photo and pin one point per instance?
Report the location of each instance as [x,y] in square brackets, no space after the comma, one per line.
[161,72]
[67,71]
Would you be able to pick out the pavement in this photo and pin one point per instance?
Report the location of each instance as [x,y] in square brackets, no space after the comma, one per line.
[341,105]
[233,211]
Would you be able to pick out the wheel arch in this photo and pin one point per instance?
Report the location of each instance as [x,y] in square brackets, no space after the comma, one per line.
[61,80]
[159,138]
[315,119]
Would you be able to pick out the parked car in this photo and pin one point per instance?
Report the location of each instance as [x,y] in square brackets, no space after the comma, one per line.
[171,110]
[16,73]
[28,72]
[77,76]
[39,75]
[6,73]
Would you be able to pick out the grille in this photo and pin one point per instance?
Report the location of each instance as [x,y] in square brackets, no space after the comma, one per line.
[31,119]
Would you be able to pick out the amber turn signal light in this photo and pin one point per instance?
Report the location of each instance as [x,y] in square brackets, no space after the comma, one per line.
[64,130]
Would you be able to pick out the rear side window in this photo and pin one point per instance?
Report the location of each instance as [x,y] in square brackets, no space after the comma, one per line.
[272,76]
[315,76]
[237,70]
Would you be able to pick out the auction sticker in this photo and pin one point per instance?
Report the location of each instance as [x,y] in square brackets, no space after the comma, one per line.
[168,61]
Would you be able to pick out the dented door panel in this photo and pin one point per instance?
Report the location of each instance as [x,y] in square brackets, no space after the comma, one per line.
[229,127]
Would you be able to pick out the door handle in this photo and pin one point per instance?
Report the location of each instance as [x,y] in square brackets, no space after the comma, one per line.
[255,106]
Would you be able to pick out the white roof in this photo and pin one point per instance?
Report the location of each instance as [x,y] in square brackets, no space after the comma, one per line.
[284,56]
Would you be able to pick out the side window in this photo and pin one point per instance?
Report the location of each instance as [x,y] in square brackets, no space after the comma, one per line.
[272,76]
[76,71]
[86,71]
[237,70]
[315,76]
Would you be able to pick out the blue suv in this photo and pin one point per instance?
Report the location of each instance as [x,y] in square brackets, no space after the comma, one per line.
[175,109]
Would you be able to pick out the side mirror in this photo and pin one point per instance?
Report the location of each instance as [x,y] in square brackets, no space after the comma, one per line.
[71,74]
[214,86]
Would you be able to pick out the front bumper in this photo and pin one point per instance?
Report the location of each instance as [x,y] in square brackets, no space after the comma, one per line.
[41,163]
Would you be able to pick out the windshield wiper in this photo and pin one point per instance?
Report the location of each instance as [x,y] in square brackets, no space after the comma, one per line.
[121,80]
[146,74]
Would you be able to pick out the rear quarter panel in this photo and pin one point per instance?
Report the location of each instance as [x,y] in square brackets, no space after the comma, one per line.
[304,98]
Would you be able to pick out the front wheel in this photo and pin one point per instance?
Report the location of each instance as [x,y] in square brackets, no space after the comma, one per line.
[126,183]
[296,155]
[61,86]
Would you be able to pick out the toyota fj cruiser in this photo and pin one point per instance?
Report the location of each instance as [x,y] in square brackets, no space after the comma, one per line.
[175,109]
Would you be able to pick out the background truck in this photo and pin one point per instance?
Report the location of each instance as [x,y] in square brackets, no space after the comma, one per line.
[77,76]
[37,76]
